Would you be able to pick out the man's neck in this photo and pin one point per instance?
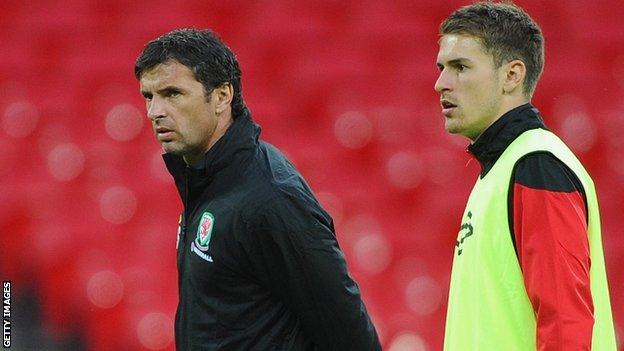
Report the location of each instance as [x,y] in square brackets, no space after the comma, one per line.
[193,160]
[507,105]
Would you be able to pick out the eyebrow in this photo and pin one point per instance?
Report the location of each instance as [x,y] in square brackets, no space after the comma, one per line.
[456,61]
[167,89]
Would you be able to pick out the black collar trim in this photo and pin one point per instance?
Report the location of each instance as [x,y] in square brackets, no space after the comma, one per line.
[242,135]
[497,137]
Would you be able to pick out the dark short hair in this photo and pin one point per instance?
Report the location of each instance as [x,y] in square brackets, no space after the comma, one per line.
[211,61]
[506,32]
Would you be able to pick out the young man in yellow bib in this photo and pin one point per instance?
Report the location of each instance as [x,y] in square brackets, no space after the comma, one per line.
[528,270]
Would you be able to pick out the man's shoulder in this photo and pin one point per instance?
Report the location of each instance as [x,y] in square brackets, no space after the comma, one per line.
[543,170]
[276,173]
[270,182]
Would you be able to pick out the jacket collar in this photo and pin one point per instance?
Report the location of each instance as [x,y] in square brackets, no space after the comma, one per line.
[497,137]
[241,136]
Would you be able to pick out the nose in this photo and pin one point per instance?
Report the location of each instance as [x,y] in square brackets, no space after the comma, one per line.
[443,82]
[155,108]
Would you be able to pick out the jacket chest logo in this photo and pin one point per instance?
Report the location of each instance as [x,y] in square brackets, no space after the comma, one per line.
[204,231]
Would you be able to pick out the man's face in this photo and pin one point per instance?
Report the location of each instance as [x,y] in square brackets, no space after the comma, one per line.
[183,117]
[470,86]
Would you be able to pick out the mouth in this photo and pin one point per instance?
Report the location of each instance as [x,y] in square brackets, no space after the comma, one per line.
[164,134]
[447,107]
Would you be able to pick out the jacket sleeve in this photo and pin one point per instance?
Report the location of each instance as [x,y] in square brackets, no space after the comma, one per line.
[294,253]
[550,232]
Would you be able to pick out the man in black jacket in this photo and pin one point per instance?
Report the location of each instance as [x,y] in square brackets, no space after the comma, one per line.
[258,261]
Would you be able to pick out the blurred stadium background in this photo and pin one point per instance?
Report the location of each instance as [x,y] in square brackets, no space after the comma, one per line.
[88,214]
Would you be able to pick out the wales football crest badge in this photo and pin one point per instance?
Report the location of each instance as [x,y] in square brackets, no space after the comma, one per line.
[204,231]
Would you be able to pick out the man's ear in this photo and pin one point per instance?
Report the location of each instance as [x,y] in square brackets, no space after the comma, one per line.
[515,73]
[224,95]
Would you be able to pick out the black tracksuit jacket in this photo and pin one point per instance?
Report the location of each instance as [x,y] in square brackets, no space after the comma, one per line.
[258,261]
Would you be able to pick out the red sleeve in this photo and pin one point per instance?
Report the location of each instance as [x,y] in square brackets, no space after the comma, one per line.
[550,232]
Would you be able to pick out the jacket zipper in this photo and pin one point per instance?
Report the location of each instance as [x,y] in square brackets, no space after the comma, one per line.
[185,204]
[184,227]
